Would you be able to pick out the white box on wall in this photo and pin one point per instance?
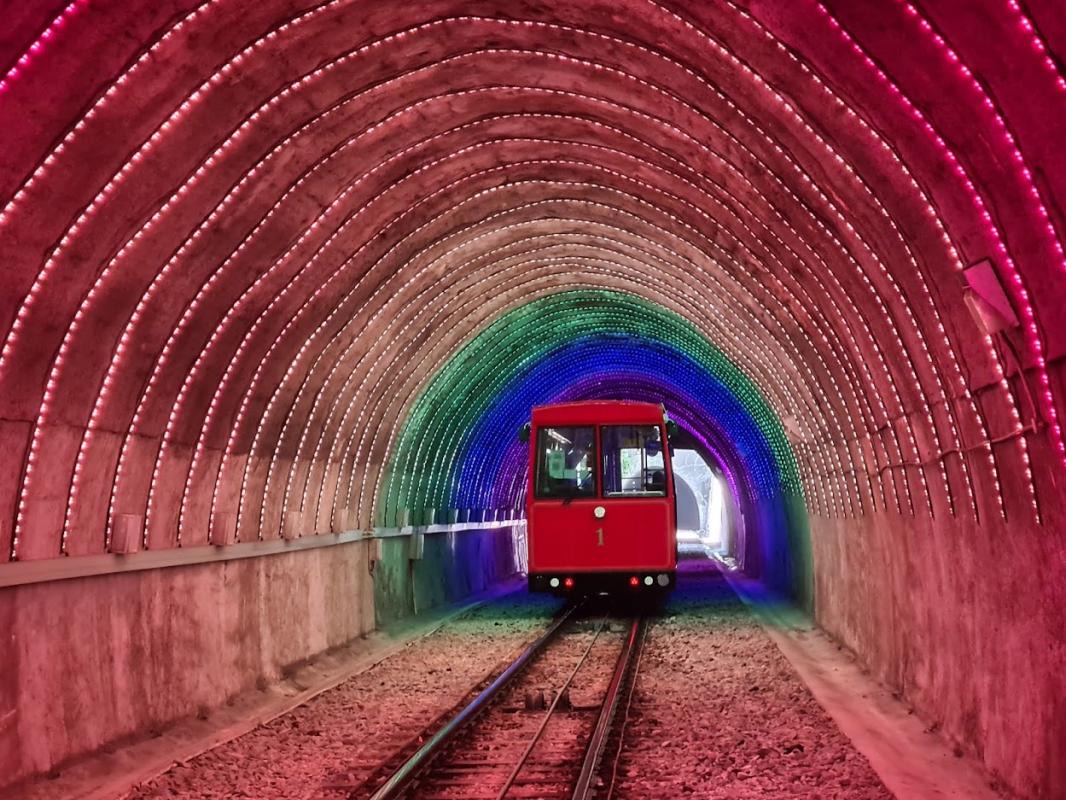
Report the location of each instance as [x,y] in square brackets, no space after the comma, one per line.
[290,527]
[126,533]
[223,529]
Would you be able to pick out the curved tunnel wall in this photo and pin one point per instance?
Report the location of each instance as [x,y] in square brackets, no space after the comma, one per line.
[238,239]
[205,355]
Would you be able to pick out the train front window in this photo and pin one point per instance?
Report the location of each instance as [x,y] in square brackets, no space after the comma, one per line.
[565,459]
[633,461]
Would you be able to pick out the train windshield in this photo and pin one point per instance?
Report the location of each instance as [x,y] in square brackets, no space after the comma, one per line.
[565,461]
[633,463]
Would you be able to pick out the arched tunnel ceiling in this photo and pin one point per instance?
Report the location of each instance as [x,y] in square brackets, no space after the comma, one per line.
[238,236]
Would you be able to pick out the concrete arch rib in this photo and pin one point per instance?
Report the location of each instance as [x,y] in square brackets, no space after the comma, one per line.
[277,146]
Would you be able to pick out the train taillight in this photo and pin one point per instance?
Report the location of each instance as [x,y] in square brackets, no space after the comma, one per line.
[568,583]
[634,581]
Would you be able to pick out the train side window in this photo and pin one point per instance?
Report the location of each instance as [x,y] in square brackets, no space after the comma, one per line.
[633,463]
[565,459]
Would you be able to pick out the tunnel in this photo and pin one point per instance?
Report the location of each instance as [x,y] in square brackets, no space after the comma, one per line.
[281,282]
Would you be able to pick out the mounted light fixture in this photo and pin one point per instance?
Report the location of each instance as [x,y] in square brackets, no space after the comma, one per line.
[986,298]
[992,310]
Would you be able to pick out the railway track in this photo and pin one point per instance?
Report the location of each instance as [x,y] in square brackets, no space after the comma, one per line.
[540,729]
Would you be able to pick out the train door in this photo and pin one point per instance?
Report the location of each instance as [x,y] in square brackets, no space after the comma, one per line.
[565,497]
[636,526]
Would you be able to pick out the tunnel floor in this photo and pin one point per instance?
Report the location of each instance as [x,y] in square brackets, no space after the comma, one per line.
[718,712]
[721,713]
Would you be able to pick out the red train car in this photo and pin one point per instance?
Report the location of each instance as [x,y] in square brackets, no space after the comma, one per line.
[600,503]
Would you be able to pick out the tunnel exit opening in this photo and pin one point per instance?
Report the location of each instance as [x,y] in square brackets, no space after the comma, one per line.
[703,503]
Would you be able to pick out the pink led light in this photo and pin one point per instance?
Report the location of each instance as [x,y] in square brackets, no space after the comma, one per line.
[1037,43]
[63,353]
[1034,339]
[37,47]
[851,114]
[466,319]
[929,210]
[978,202]
[418,302]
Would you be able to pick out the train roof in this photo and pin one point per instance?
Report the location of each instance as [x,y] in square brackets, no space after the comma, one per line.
[594,412]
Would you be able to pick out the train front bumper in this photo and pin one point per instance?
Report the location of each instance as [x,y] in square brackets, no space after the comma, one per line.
[633,582]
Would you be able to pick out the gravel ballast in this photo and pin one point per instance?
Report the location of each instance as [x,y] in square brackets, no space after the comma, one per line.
[718,712]
[341,735]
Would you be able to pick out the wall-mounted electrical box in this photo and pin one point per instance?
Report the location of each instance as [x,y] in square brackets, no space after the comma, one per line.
[416,546]
[290,526]
[376,549]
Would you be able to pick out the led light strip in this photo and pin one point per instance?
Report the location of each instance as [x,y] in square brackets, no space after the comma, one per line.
[931,212]
[558,309]
[46,39]
[1037,42]
[46,406]
[380,311]
[469,308]
[990,228]
[1041,213]
[398,417]
[361,369]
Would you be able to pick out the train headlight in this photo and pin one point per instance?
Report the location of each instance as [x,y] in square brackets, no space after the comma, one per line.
[648,580]
[554,583]
[664,579]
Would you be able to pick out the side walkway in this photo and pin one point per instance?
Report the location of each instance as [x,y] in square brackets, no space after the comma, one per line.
[914,762]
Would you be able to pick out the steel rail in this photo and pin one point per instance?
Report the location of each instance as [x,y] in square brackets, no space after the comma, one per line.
[559,694]
[397,782]
[631,686]
[583,789]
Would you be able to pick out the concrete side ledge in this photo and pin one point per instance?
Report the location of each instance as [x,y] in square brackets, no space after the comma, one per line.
[22,573]
[115,771]
[914,763]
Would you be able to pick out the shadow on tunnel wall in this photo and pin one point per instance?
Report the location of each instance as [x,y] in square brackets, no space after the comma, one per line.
[779,554]
[449,566]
